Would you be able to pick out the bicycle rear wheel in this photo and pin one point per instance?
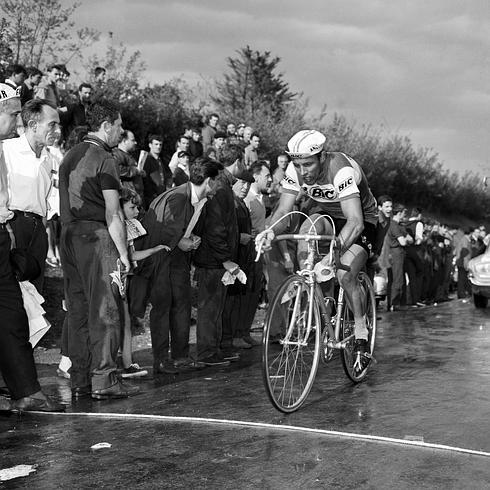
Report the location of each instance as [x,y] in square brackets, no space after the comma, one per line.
[347,329]
[289,354]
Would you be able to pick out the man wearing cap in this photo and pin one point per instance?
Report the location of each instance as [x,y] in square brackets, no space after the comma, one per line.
[31,170]
[215,256]
[335,185]
[182,172]
[195,145]
[215,151]
[16,358]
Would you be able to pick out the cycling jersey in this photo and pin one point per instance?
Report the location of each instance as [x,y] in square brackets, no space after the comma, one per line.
[340,178]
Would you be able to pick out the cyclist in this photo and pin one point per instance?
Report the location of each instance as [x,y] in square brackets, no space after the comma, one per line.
[335,185]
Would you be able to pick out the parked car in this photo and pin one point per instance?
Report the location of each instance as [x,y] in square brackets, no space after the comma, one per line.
[479,276]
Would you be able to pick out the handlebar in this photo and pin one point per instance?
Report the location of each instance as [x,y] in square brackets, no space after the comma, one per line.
[306,237]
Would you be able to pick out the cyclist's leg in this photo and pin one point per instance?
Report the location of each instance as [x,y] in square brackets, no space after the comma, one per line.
[322,227]
[355,257]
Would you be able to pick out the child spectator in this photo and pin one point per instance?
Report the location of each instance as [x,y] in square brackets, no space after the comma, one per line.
[130,204]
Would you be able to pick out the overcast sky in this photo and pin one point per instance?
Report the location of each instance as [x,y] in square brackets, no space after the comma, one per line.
[418,67]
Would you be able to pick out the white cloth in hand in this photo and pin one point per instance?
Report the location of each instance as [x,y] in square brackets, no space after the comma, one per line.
[229,278]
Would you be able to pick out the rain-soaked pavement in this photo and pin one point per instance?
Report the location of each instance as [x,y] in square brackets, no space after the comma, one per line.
[215,428]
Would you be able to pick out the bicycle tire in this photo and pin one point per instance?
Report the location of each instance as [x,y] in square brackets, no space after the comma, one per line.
[347,329]
[289,369]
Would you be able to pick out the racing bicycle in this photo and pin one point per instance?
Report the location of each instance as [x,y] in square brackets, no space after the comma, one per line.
[303,325]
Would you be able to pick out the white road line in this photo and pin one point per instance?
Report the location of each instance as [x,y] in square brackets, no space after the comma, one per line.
[263,425]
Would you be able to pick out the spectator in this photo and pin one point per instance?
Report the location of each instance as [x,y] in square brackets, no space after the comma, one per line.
[16,357]
[231,134]
[195,146]
[215,256]
[278,171]
[93,245]
[247,135]
[216,150]
[130,202]
[255,203]
[398,239]
[239,131]
[32,80]
[100,75]
[414,265]
[251,155]
[31,171]
[131,177]
[209,130]
[182,145]
[235,320]
[155,181]
[76,114]
[182,172]
[48,89]
[16,76]
[462,255]
[170,221]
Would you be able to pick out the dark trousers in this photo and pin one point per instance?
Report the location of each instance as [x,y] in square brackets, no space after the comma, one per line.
[233,318]
[252,296]
[397,261]
[211,298]
[414,268]
[95,311]
[464,285]
[16,358]
[31,233]
[170,299]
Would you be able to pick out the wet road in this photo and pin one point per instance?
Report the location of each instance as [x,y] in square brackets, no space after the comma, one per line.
[430,383]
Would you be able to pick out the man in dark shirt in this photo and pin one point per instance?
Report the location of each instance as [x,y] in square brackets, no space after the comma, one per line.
[216,255]
[398,238]
[27,89]
[129,173]
[93,247]
[76,114]
[157,177]
[168,222]
[195,145]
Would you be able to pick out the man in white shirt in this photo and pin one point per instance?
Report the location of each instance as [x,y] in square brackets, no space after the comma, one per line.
[30,173]
[16,359]
[182,145]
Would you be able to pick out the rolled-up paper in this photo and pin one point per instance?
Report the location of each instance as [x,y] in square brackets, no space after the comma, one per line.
[142,159]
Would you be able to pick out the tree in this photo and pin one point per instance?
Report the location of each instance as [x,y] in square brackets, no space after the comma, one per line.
[252,87]
[39,31]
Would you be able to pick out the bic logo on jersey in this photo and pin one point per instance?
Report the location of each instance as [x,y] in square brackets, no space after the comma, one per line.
[324,192]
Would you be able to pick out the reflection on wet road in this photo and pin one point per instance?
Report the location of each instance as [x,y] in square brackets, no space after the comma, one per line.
[430,384]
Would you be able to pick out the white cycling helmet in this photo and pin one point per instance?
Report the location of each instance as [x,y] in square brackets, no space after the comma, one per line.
[8,92]
[305,143]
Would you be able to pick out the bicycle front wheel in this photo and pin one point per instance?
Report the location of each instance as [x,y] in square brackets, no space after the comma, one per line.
[291,344]
[347,330]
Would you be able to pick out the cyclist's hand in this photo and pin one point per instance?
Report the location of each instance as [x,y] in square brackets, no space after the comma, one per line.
[263,240]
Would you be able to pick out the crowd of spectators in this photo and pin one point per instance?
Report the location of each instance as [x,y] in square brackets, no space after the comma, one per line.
[133,229]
